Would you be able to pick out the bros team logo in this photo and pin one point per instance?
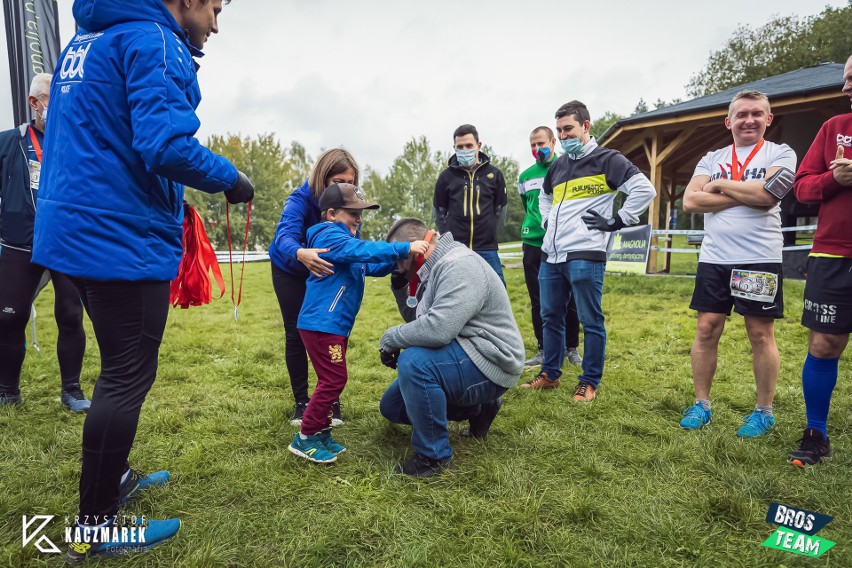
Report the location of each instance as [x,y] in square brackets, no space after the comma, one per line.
[797,531]
[72,64]
[844,140]
[43,544]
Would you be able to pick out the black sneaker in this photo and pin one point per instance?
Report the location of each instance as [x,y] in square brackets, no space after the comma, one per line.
[813,447]
[74,400]
[336,419]
[421,466]
[9,398]
[481,423]
[298,413]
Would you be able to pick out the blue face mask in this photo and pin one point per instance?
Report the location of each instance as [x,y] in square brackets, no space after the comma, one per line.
[572,146]
[466,158]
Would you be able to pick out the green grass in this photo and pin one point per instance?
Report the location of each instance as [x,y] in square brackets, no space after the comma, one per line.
[613,483]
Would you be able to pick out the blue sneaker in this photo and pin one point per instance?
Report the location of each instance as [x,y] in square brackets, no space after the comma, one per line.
[74,400]
[756,424]
[138,481]
[695,417]
[311,448]
[9,398]
[330,444]
[114,540]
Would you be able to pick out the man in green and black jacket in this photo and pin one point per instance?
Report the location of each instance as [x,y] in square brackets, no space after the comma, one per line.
[542,144]
[470,197]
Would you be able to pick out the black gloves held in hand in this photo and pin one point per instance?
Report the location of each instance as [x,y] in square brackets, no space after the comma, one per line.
[242,192]
[598,222]
[389,358]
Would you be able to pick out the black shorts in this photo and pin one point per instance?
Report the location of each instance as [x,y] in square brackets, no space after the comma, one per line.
[754,289]
[828,295]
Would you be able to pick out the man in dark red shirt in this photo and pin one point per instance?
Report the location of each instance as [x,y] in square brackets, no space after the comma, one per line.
[825,177]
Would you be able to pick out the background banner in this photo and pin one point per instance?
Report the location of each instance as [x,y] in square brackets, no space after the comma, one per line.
[32,41]
[627,250]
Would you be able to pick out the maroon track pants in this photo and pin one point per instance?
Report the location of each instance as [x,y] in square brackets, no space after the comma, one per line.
[328,356]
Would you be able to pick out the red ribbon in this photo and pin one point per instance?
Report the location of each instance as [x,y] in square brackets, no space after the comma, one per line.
[231,259]
[192,287]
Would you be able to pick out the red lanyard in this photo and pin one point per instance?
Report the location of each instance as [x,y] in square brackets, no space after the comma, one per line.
[736,174]
[411,302]
[36,145]
[231,259]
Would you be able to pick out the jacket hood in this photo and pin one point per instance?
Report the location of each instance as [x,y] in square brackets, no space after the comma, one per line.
[454,161]
[326,226]
[97,15]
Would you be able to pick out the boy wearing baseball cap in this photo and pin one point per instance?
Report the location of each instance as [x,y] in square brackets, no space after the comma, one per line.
[331,303]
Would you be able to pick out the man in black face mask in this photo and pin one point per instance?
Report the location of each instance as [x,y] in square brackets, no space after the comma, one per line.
[542,144]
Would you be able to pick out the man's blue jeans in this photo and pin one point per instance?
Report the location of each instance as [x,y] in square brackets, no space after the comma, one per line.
[493,260]
[432,386]
[585,278]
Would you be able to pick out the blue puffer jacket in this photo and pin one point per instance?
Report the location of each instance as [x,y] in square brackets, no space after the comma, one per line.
[301,212]
[120,145]
[332,302]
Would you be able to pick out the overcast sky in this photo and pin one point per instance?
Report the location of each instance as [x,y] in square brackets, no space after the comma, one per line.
[370,74]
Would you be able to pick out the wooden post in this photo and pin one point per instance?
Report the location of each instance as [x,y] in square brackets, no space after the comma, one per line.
[669,204]
[656,171]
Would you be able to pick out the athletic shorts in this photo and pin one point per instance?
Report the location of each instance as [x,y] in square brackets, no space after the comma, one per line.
[750,289]
[828,295]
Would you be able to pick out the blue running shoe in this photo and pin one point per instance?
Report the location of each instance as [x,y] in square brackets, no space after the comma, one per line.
[311,448]
[9,398]
[695,417]
[74,400]
[138,481]
[756,424]
[115,540]
[330,443]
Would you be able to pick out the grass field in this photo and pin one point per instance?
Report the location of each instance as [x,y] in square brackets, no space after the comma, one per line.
[612,483]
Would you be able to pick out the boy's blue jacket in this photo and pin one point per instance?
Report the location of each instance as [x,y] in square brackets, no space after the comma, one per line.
[332,302]
[120,145]
[301,211]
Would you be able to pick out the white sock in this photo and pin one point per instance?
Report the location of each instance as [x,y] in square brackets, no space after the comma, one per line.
[126,476]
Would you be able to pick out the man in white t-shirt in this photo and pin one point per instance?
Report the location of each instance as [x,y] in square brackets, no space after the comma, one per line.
[738,189]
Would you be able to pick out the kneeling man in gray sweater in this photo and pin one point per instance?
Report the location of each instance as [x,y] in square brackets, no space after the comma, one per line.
[462,347]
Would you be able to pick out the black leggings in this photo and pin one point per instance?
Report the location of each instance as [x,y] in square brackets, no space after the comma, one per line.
[532,263]
[19,280]
[290,290]
[129,319]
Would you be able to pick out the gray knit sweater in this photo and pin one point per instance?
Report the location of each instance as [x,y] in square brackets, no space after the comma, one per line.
[462,298]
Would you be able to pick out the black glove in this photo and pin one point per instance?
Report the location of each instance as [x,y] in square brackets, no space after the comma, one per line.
[241,192]
[595,220]
[389,358]
[398,280]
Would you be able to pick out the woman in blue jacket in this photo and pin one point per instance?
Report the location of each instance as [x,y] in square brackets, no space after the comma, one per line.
[293,261]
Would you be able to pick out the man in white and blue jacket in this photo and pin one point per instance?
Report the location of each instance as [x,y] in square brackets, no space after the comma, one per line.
[576,203]
[119,148]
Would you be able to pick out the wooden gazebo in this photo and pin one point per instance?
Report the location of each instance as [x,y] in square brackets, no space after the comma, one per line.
[667,143]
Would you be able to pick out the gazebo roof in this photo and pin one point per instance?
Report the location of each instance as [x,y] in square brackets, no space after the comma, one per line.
[826,76]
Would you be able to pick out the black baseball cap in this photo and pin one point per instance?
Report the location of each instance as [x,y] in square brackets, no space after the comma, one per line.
[344,196]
